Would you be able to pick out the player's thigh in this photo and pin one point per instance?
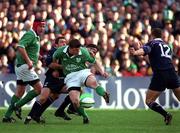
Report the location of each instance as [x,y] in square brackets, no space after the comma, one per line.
[74,96]
[151,95]
[38,86]
[64,89]
[44,95]
[91,81]
[177,93]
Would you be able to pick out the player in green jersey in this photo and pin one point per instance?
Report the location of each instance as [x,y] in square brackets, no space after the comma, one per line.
[73,59]
[26,59]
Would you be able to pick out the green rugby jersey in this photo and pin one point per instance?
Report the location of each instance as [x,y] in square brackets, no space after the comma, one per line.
[31,43]
[73,63]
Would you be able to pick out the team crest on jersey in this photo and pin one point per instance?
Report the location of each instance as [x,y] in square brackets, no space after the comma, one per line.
[78,60]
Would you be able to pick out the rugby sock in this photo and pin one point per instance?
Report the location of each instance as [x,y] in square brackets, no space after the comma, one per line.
[71,107]
[82,112]
[100,91]
[65,103]
[14,99]
[29,96]
[157,108]
[35,109]
[45,105]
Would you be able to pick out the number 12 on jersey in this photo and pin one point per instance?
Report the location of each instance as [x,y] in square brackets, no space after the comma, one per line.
[165,50]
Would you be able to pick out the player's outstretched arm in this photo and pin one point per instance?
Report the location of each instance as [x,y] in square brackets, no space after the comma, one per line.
[100,69]
[55,65]
[138,52]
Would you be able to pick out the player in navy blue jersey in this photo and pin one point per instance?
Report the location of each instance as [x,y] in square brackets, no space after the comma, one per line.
[53,86]
[164,74]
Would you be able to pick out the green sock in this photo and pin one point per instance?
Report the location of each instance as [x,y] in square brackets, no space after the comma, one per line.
[100,91]
[29,96]
[82,112]
[9,112]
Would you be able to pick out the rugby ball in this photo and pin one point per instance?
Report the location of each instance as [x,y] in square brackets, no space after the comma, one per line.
[86,100]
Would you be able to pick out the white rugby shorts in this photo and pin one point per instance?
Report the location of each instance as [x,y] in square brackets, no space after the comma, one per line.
[77,79]
[24,74]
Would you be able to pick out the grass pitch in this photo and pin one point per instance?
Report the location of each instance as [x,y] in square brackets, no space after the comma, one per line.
[101,121]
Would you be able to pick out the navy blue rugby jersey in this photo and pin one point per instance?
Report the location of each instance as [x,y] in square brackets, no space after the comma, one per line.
[160,54]
[49,60]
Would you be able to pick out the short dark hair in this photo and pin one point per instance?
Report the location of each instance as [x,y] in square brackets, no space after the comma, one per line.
[92,46]
[59,38]
[74,43]
[156,32]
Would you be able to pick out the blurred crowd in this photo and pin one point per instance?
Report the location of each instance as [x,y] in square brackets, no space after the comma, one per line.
[113,25]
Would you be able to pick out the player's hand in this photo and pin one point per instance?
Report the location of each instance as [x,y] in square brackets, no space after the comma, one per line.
[30,65]
[105,74]
[137,44]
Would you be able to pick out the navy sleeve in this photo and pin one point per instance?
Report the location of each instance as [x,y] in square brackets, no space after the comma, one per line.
[147,48]
[49,58]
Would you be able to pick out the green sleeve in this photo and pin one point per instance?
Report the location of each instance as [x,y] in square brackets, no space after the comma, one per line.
[26,39]
[89,58]
[57,54]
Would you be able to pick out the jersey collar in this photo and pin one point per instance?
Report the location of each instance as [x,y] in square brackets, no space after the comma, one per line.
[158,39]
[35,33]
[66,51]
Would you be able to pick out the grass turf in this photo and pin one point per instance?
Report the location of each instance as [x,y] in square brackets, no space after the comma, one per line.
[101,121]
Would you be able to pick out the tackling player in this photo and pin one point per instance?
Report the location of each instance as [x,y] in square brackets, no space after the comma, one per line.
[53,86]
[73,58]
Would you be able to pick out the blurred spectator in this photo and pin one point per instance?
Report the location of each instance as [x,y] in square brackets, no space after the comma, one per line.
[113,25]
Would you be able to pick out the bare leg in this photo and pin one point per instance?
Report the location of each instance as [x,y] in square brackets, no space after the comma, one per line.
[177,93]
[151,96]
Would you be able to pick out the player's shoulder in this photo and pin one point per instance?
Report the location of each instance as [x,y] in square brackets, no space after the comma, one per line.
[63,49]
[30,33]
[156,41]
[84,50]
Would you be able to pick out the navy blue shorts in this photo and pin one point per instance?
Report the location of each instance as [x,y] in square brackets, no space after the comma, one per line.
[164,79]
[54,84]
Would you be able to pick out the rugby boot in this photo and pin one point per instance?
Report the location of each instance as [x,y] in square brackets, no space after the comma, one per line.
[106,97]
[8,120]
[62,115]
[17,111]
[168,119]
[86,120]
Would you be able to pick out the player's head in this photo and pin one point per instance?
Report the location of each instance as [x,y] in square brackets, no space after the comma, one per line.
[39,26]
[60,41]
[74,46]
[93,49]
[156,33]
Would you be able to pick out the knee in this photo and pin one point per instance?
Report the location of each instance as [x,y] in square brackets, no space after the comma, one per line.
[76,103]
[38,87]
[42,99]
[54,97]
[19,94]
[93,84]
[148,101]
[38,91]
